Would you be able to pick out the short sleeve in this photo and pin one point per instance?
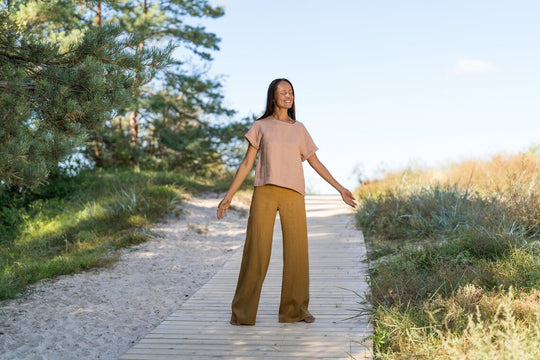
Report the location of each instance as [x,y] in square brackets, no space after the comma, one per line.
[307,147]
[254,135]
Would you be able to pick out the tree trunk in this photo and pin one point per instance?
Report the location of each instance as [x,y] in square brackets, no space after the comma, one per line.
[98,14]
[133,124]
[98,158]
[134,127]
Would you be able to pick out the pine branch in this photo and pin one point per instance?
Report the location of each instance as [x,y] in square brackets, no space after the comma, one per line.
[21,58]
[6,85]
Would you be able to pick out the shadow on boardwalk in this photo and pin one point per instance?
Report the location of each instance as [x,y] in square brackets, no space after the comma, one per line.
[200,328]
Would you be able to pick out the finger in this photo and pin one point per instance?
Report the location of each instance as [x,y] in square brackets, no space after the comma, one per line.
[220,213]
[351,201]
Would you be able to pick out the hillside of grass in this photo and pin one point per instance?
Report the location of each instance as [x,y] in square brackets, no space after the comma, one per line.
[454,258]
[76,223]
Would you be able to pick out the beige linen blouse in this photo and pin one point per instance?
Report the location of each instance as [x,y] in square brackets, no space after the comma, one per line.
[282,148]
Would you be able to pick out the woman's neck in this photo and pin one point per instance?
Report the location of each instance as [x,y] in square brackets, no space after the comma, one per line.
[282,115]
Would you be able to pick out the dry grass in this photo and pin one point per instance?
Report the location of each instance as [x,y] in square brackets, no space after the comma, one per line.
[453,253]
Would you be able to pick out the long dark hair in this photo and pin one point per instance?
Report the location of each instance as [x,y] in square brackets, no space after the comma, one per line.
[270,100]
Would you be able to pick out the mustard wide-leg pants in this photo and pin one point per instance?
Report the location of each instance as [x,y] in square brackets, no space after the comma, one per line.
[266,202]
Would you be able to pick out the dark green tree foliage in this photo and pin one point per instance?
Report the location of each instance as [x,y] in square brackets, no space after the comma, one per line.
[52,94]
[181,137]
[177,115]
[74,71]
[46,103]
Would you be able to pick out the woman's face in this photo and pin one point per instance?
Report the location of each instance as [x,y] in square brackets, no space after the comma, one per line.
[284,97]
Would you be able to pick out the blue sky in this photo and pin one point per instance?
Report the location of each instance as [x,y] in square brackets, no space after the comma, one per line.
[387,84]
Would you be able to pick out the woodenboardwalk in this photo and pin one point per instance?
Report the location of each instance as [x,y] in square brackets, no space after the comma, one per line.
[200,329]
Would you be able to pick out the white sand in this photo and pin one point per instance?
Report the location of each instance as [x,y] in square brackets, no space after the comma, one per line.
[101,313]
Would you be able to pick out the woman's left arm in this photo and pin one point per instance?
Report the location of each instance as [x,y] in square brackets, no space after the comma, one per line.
[318,166]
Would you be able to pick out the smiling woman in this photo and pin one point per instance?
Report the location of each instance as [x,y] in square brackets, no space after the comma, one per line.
[285,95]
[283,144]
[280,95]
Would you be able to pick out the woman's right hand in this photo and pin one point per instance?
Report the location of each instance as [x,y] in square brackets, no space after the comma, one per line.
[222,208]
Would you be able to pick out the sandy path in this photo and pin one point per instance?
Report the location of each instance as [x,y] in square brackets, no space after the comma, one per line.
[101,313]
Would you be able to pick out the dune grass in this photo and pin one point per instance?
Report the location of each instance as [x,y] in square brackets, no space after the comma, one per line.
[77,223]
[455,260]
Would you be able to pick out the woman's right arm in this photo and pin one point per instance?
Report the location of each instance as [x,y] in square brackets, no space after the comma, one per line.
[241,174]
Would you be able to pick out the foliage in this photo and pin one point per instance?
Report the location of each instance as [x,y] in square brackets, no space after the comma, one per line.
[196,145]
[502,332]
[53,93]
[75,223]
[95,80]
[92,84]
[443,246]
[177,120]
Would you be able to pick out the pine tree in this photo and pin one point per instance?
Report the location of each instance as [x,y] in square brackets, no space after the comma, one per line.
[52,92]
[156,116]
[171,122]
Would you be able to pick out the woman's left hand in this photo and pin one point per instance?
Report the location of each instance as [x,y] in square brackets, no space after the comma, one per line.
[348,198]
[222,208]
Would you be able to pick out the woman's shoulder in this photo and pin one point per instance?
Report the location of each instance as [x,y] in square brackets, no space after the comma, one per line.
[265,120]
[300,125]
[266,123]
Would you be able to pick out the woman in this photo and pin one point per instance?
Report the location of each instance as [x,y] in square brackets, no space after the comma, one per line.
[279,184]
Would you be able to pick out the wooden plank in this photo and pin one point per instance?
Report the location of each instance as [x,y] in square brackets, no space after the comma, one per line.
[226,340]
[200,328]
[261,353]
